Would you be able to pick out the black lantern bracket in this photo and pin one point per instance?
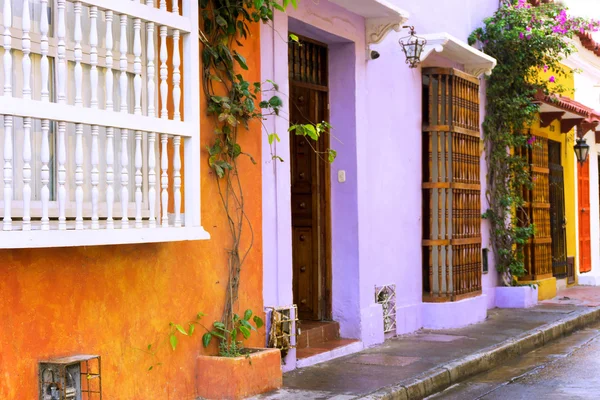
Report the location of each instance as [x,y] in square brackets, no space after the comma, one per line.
[582,150]
[412,46]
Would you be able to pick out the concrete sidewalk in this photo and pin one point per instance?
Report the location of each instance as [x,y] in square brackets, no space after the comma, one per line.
[418,365]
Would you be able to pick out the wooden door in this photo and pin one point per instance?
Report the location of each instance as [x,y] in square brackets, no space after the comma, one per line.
[310,182]
[585,251]
[557,211]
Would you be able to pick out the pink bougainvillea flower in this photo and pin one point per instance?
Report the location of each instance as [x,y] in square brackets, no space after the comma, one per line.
[545,68]
[552,79]
[521,35]
[531,140]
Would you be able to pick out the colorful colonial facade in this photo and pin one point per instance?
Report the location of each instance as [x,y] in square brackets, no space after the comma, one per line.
[384,241]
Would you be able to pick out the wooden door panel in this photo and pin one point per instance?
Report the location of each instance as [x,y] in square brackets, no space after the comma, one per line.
[304,273]
[585,254]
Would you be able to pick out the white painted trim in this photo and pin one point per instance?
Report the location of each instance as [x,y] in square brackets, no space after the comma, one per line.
[191,114]
[72,238]
[381,17]
[107,118]
[476,62]
[142,11]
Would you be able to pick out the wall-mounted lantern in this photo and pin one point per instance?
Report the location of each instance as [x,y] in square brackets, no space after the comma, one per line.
[582,149]
[412,46]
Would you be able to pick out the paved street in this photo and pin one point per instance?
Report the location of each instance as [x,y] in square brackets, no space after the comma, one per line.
[565,369]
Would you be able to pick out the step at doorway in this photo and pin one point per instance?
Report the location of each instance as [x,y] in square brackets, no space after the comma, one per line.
[320,341]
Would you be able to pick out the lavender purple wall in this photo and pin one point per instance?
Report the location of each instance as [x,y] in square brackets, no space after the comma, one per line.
[376,114]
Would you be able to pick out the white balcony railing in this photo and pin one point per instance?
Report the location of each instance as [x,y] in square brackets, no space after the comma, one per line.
[90,152]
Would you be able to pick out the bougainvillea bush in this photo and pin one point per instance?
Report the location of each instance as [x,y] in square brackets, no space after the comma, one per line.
[525,40]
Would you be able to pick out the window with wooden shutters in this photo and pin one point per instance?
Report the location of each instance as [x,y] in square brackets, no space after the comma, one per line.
[451,185]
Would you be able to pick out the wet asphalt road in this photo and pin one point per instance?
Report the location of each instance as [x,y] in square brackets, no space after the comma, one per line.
[565,369]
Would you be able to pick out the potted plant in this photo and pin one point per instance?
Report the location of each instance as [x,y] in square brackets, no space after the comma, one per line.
[237,372]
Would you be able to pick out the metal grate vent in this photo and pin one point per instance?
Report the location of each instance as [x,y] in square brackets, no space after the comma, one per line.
[71,378]
[386,296]
[282,333]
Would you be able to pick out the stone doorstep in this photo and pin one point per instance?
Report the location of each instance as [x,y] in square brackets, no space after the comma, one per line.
[440,378]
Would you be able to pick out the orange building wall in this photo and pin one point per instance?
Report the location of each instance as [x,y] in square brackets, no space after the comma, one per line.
[114,301]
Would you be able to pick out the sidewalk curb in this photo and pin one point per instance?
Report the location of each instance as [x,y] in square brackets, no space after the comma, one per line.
[442,377]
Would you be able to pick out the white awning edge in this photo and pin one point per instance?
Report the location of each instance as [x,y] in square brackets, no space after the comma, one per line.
[475,61]
[381,17]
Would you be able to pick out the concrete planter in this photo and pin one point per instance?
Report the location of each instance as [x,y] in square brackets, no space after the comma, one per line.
[239,377]
[516,297]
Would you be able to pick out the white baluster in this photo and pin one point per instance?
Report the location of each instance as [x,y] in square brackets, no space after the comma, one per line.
[45,155]
[164,114]
[164,73]
[124,132]
[8,120]
[137,88]
[78,54]
[138,179]
[109,61]
[123,64]
[152,178]
[137,66]
[26,25]
[124,178]
[150,88]
[45,176]
[175,4]
[110,177]
[79,176]
[95,175]
[164,179]
[62,126]
[163,5]
[176,77]
[78,127]
[110,133]
[177,179]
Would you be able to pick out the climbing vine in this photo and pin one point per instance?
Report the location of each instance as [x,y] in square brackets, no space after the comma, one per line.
[525,40]
[233,102]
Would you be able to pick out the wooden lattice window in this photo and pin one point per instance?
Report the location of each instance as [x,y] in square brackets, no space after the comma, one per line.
[451,185]
[536,210]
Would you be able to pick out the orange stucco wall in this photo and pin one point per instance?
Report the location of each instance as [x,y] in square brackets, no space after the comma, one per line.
[114,301]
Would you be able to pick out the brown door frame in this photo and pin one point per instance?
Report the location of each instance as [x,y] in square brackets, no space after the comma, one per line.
[324,248]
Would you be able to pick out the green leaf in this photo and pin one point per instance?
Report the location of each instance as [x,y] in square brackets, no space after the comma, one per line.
[231,120]
[173,341]
[332,155]
[247,315]
[273,137]
[150,369]
[199,315]
[258,321]
[219,325]
[245,331]
[240,60]
[247,324]
[149,346]
[275,101]
[206,338]
[311,132]
[180,329]
[217,334]
[191,329]
[221,21]
[294,38]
